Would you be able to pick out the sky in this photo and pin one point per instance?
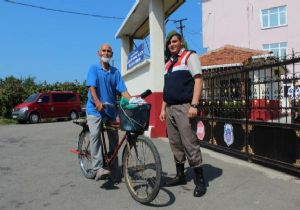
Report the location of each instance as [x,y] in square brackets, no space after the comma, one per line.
[60,47]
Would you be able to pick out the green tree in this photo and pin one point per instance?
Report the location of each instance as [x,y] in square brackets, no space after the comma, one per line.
[11,93]
[29,86]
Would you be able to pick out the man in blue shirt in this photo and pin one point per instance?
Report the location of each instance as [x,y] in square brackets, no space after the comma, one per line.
[104,82]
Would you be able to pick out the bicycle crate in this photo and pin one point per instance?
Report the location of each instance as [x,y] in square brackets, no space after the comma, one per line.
[135,119]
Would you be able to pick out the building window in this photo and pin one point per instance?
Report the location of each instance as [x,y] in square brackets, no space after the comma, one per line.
[278,49]
[274,17]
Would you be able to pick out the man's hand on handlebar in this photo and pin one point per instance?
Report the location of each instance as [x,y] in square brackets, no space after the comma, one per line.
[99,107]
[108,105]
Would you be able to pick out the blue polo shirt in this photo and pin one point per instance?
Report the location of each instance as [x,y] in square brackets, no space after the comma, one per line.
[107,84]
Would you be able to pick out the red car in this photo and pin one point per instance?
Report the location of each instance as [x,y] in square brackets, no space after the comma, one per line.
[53,104]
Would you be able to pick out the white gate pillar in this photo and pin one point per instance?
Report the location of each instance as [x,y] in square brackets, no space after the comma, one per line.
[156,25]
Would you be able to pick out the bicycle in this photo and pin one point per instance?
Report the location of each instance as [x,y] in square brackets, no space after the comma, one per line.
[141,165]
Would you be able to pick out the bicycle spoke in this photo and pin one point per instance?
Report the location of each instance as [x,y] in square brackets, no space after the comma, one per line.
[142,171]
[85,159]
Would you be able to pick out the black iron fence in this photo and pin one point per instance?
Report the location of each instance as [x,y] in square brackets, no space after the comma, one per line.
[253,110]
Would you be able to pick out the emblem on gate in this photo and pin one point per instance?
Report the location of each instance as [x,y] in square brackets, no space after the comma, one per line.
[200,130]
[228,134]
[293,93]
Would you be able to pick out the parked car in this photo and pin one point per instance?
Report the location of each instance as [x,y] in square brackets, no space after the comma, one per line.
[53,104]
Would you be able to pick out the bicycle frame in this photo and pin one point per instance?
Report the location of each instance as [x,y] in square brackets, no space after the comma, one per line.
[107,157]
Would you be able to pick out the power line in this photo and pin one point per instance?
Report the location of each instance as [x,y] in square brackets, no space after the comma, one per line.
[63,11]
[181,26]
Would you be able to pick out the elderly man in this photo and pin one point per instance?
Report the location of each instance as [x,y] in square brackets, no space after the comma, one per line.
[104,82]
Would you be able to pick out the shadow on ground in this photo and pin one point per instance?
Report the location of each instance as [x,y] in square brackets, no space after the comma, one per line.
[167,198]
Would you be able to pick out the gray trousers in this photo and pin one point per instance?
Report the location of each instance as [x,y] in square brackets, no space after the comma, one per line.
[96,143]
[182,135]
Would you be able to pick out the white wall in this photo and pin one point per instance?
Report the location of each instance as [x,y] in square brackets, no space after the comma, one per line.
[238,22]
[150,73]
[139,78]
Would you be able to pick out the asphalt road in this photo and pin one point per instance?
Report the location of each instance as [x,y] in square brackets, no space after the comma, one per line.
[37,171]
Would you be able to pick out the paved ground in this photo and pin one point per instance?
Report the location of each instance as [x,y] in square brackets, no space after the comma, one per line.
[37,171]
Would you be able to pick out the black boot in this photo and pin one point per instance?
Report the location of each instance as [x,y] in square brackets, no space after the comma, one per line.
[199,181]
[179,179]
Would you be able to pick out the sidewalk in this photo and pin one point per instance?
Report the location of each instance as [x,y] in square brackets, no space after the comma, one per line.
[232,184]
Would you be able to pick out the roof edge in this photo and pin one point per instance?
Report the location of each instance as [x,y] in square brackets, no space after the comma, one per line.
[117,36]
[221,66]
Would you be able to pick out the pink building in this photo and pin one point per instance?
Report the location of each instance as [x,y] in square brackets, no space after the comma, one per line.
[256,24]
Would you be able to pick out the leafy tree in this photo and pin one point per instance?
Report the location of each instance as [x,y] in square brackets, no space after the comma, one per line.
[11,93]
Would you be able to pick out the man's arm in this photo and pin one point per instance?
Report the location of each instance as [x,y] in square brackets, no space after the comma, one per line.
[162,115]
[98,103]
[193,111]
[196,71]
[126,95]
[197,88]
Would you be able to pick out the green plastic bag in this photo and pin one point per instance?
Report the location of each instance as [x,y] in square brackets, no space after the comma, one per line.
[124,103]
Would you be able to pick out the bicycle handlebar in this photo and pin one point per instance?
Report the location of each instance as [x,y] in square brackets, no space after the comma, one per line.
[107,104]
[144,94]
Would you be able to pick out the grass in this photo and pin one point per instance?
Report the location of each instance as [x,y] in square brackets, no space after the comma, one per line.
[6,121]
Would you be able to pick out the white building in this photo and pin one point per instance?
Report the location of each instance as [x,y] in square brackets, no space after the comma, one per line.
[147,17]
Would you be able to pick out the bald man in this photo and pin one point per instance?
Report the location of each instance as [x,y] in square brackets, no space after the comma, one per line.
[104,82]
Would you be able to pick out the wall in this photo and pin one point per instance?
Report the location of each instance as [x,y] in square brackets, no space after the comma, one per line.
[238,22]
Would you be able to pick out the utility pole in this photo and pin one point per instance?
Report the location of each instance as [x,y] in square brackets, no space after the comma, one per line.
[181,26]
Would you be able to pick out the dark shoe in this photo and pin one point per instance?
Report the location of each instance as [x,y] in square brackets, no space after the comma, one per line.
[200,190]
[179,179]
[199,181]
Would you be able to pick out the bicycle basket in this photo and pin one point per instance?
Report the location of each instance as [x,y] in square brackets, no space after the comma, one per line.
[135,119]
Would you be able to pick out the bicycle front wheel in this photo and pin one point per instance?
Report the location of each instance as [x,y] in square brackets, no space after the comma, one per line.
[84,156]
[142,169]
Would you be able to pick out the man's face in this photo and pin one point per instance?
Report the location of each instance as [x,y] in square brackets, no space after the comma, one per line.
[175,45]
[105,51]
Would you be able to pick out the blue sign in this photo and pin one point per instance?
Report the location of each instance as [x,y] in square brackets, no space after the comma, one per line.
[136,56]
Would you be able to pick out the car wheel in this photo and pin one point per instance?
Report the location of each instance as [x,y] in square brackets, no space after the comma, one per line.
[34,118]
[73,115]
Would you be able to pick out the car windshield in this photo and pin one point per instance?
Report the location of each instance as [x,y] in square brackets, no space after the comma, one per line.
[31,98]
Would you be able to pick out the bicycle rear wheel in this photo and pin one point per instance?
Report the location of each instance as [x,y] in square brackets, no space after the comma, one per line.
[142,169]
[84,156]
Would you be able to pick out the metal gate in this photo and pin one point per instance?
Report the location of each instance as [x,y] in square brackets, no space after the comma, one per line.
[253,111]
